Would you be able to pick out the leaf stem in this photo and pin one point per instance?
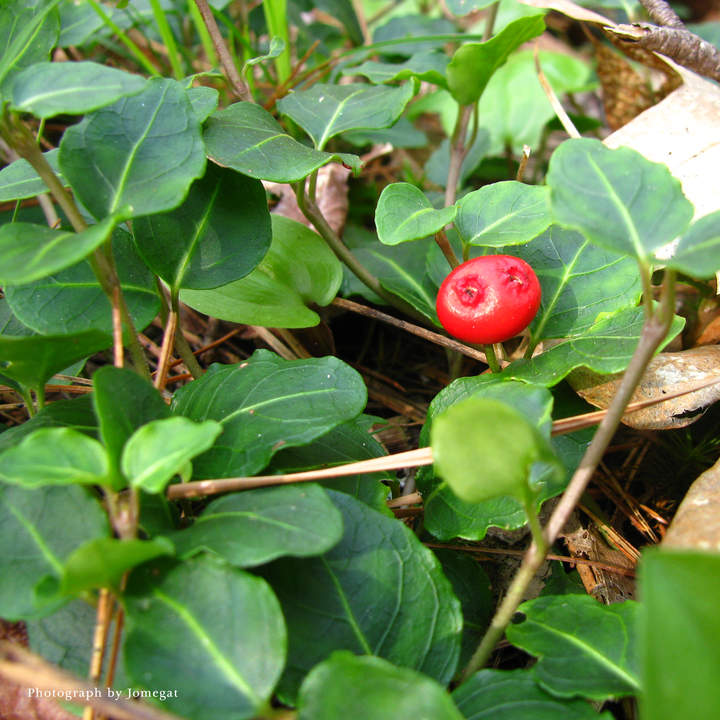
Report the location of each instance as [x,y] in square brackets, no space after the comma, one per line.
[444,245]
[181,344]
[492,358]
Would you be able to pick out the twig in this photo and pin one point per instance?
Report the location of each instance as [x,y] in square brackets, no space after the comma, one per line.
[523,163]
[166,351]
[662,14]
[564,118]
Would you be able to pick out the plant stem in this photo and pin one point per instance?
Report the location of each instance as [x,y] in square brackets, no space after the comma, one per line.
[181,344]
[458,151]
[492,358]
[490,21]
[27,397]
[444,244]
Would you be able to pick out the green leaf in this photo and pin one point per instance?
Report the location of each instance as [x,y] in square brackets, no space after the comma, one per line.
[29,30]
[218,235]
[617,198]
[137,156]
[159,450]
[428,66]
[465,7]
[438,166]
[370,688]
[697,250]
[102,562]
[412,28]
[505,213]
[403,134]
[123,403]
[299,269]
[247,138]
[473,64]
[324,111]
[251,528]
[679,612]
[584,648]
[19,180]
[33,360]
[55,456]
[377,592]
[204,101]
[39,528]
[267,403]
[514,695]
[49,89]
[30,252]
[227,621]
[404,213]
[277,47]
[78,23]
[72,299]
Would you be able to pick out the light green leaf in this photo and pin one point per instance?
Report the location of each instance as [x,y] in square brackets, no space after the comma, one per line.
[428,66]
[617,198]
[324,111]
[247,138]
[473,64]
[19,181]
[55,456]
[162,448]
[277,47]
[697,250]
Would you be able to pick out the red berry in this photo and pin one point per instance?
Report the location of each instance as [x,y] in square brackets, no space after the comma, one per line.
[489,299]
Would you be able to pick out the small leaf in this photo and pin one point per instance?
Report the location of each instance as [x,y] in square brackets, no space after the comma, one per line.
[501,214]
[161,449]
[31,252]
[55,456]
[227,620]
[277,47]
[204,101]
[473,64]
[137,156]
[325,110]
[428,66]
[403,213]
[49,89]
[697,250]
[617,198]
[365,688]
[584,648]
[247,138]
[254,527]
[19,180]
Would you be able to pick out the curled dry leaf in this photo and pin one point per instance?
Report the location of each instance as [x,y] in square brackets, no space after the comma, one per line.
[667,373]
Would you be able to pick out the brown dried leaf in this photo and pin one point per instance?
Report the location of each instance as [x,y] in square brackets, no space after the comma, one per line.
[666,373]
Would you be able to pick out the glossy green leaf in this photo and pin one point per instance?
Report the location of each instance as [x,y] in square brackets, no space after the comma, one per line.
[72,300]
[377,592]
[697,250]
[473,64]
[39,528]
[299,269]
[33,360]
[505,213]
[102,562]
[218,235]
[324,111]
[679,629]
[404,213]
[137,156]
[159,450]
[428,66]
[246,138]
[404,34]
[227,621]
[267,403]
[251,528]
[465,7]
[49,89]
[19,181]
[514,695]
[584,648]
[617,198]
[31,252]
[203,100]
[29,30]
[370,688]
[55,456]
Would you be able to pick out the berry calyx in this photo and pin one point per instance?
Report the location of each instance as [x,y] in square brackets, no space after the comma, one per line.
[488,299]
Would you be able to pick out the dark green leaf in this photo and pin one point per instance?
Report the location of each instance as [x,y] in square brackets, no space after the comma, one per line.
[473,64]
[377,592]
[138,156]
[49,89]
[438,166]
[38,529]
[344,11]
[403,134]
[218,235]
[226,621]
[299,269]
[254,527]
[267,403]
[584,648]
[697,250]
[324,111]
[78,22]
[617,198]
[370,688]
[19,181]
[413,27]
[204,101]
[428,66]
[248,139]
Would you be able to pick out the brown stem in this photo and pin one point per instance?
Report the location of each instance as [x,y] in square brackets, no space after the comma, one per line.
[458,151]
[662,14]
[444,245]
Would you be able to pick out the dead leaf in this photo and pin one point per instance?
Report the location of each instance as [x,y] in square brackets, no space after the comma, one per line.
[666,373]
